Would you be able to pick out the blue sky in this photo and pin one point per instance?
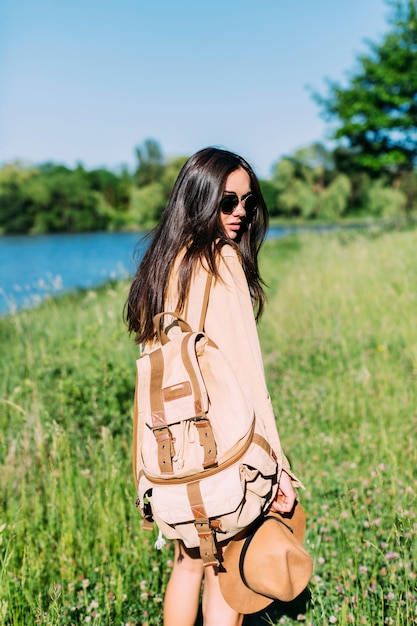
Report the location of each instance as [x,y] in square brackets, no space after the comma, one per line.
[88,80]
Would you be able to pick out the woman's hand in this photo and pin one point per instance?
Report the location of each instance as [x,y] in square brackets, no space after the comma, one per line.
[286,496]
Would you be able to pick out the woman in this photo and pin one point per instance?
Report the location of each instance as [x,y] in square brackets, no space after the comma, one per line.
[215,221]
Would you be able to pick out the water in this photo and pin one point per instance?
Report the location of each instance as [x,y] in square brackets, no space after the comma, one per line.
[32,267]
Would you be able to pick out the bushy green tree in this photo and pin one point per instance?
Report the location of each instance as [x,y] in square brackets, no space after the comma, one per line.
[375,116]
[171,170]
[314,163]
[73,206]
[301,180]
[114,188]
[16,209]
[408,185]
[147,204]
[270,194]
[50,198]
[149,200]
[151,162]
[382,201]
[334,198]
[296,195]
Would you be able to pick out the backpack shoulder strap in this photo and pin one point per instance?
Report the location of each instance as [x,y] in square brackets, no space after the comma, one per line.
[205,302]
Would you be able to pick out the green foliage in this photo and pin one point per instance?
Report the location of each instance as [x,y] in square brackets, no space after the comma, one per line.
[305,199]
[170,174]
[285,182]
[16,208]
[147,204]
[296,194]
[53,198]
[340,352]
[150,163]
[114,189]
[283,174]
[270,194]
[314,157]
[50,199]
[384,201]
[313,183]
[335,198]
[376,114]
[407,183]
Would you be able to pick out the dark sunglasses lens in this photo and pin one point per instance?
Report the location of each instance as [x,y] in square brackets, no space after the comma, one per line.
[228,204]
[251,205]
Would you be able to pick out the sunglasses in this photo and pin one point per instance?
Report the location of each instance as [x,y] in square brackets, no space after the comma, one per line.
[229,202]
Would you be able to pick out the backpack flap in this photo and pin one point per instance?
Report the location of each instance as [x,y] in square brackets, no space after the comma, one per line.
[172,405]
[230,497]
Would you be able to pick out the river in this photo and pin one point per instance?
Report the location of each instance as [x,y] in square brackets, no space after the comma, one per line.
[32,267]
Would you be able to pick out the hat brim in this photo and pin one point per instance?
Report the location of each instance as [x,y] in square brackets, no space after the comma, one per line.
[234,590]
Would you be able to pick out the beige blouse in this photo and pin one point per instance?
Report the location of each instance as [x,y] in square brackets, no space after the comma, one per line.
[230,323]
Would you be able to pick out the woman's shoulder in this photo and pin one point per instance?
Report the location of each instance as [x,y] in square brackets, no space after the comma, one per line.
[230,268]
[229,259]
[229,251]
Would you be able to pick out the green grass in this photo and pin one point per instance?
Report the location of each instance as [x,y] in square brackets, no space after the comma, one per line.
[340,343]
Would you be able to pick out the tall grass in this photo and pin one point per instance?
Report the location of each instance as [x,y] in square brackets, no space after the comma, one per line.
[340,344]
[340,339]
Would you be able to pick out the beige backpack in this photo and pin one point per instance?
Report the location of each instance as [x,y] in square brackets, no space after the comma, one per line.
[202,465]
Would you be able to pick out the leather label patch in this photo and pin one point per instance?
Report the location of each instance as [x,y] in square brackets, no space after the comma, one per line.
[176,391]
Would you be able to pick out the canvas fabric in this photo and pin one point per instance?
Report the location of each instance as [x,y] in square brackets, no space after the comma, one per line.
[202,461]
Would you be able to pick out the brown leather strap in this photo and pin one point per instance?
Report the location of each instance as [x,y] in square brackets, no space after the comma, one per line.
[162,333]
[187,346]
[205,302]
[135,436]
[160,428]
[262,443]
[156,381]
[166,450]
[207,441]
[208,549]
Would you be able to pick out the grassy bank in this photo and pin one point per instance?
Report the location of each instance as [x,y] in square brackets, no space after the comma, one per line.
[340,344]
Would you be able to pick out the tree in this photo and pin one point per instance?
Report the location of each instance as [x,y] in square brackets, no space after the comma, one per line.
[384,201]
[17,212]
[50,198]
[376,114]
[334,199]
[115,189]
[150,162]
[270,194]
[147,204]
[296,195]
[315,164]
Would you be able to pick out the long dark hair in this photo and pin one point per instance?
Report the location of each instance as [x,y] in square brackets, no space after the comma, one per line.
[191,221]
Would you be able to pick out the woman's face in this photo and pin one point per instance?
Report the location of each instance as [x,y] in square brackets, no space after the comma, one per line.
[238,187]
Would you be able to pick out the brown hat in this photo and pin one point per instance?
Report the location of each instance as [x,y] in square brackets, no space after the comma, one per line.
[268,564]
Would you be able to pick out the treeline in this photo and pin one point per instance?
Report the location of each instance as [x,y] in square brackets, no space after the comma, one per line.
[51,198]
[312,184]
[371,171]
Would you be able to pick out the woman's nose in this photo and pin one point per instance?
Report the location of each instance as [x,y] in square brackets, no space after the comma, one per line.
[239,210]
